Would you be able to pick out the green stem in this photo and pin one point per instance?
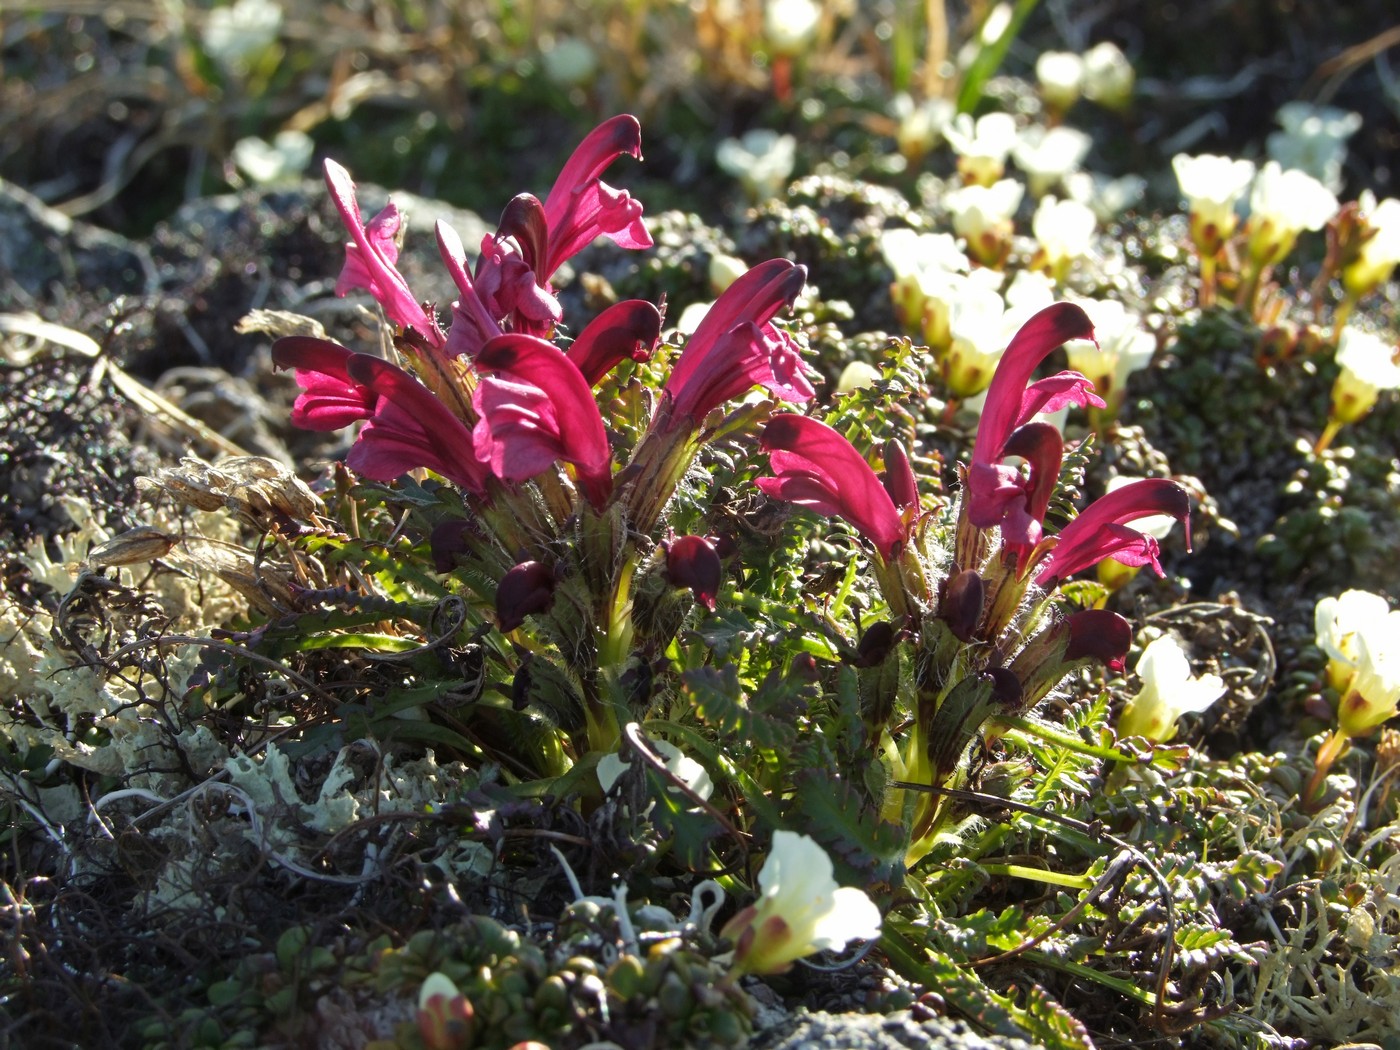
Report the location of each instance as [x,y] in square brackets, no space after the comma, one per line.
[1051,878]
[1068,741]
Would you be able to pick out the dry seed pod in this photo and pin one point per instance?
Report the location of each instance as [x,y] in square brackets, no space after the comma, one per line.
[141,544]
[254,486]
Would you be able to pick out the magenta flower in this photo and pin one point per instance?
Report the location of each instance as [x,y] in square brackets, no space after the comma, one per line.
[580,207]
[815,467]
[736,347]
[1101,531]
[627,329]
[472,322]
[370,257]
[533,240]
[537,412]
[330,399]
[407,426]
[999,494]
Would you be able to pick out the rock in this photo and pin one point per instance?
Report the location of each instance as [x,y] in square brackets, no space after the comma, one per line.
[824,1031]
[48,260]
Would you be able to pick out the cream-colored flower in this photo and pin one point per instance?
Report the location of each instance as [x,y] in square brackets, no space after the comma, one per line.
[919,125]
[445,1016]
[1212,186]
[1064,231]
[1335,624]
[1313,139]
[800,909]
[1281,205]
[762,160]
[569,62]
[1169,690]
[922,264]
[790,26]
[1108,76]
[1061,78]
[1380,252]
[235,34]
[981,323]
[285,157]
[1049,156]
[1368,367]
[1375,688]
[1108,198]
[982,217]
[1124,347]
[981,146]
[686,769]
[724,270]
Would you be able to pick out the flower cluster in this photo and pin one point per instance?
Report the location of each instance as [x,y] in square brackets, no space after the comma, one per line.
[976,603]
[493,405]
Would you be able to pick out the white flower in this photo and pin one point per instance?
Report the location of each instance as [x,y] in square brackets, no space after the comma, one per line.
[920,124]
[1313,139]
[285,157]
[1108,76]
[570,62]
[1124,347]
[982,147]
[724,270]
[1169,690]
[1282,205]
[1212,187]
[922,264]
[1109,198]
[1375,688]
[232,35]
[687,770]
[1379,253]
[982,216]
[856,376]
[800,909]
[1049,155]
[981,323]
[790,25]
[1061,78]
[1064,230]
[762,160]
[1368,367]
[1336,621]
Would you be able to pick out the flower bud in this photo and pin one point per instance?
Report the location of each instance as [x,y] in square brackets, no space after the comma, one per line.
[692,561]
[527,588]
[445,1017]
[962,604]
[143,543]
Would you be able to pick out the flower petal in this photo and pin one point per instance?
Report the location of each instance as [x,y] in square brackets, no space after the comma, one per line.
[1100,531]
[330,399]
[627,329]
[815,467]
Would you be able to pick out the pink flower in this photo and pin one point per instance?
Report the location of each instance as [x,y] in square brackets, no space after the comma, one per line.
[815,467]
[370,257]
[627,329]
[330,399]
[735,347]
[1100,531]
[999,494]
[410,428]
[533,240]
[407,426]
[537,412]
[472,322]
[580,207]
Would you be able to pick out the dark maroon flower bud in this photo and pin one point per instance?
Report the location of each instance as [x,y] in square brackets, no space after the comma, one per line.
[1101,634]
[875,645]
[963,598]
[692,561]
[527,588]
[448,540]
[524,219]
[1006,688]
[898,478]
